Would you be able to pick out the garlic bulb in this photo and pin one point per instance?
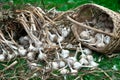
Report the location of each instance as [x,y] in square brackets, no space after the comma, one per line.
[77,65]
[107,39]
[85,35]
[54,65]
[87,51]
[83,61]
[90,58]
[64,71]
[73,71]
[65,32]
[71,60]
[2,57]
[22,51]
[24,40]
[30,55]
[101,44]
[64,53]
[32,66]
[51,36]
[61,64]
[41,55]
[31,47]
[10,56]
[93,64]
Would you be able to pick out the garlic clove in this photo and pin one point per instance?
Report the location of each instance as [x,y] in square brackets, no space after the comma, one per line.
[77,65]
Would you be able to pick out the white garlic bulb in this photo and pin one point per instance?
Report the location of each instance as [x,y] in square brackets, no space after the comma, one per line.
[2,57]
[107,39]
[90,58]
[65,31]
[10,56]
[33,66]
[31,47]
[83,61]
[65,53]
[54,65]
[73,71]
[87,51]
[85,35]
[71,60]
[93,64]
[101,44]
[64,71]
[77,65]
[51,36]
[30,55]
[22,51]
[41,55]
[61,64]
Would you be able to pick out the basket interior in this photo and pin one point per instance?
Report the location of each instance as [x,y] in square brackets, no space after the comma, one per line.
[96,18]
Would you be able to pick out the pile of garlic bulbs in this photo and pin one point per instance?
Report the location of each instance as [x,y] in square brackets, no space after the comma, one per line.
[47,42]
[93,38]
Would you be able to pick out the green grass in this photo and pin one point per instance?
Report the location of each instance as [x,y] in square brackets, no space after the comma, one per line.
[106,64]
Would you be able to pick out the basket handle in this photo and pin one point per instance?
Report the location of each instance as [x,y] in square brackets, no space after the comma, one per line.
[88,27]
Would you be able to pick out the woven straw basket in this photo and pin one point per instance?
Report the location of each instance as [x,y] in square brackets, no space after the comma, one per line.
[86,12]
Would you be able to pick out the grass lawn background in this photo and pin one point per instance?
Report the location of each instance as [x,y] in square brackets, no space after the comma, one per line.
[106,64]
